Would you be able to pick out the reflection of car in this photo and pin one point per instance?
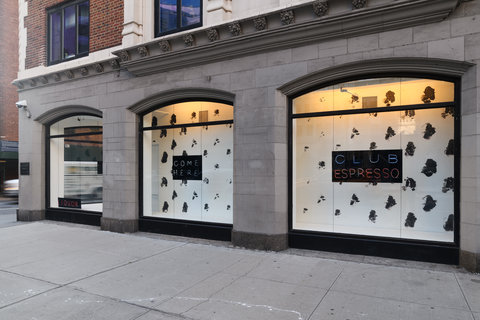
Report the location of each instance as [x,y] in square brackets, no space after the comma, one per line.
[10,188]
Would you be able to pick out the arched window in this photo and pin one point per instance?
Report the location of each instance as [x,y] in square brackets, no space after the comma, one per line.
[376,157]
[75,164]
[188,162]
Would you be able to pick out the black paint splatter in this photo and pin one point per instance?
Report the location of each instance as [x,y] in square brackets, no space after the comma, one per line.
[428,95]
[163,133]
[354,133]
[375,114]
[355,99]
[450,149]
[449,111]
[410,183]
[354,199]
[390,133]
[194,143]
[448,225]
[206,127]
[154,121]
[174,144]
[228,207]
[410,149]
[430,167]
[322,198]
[305,210]
[390,202]
[173,119]
[448,184]
[185,207]
[164,182]
[206,180]
[229,181]
[216,196]
[410,113]
[205,207]
[174,195]
[184,182]
[389,98]
[429,131]
[337,212]
[216,112]
[184,153]
[373,216]
[321,165]
[229,151]
[195,195]
[217,141]
[205,153]
[306,148]
[217,166]
[194,115]
[429,204]
[183,131]
[373,145]
[165,207]
[164,157]
[338,146]
[410,221]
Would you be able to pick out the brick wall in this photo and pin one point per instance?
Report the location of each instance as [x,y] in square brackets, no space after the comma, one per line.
[106,23]
[8,69]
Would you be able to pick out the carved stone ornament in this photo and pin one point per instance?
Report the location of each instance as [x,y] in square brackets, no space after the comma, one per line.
[165,45]
[142,51]
[84,71]
[212,34]
[44,80]
[114,64]
[358,4]
[260,23]
[20,85]
[124,56]
[98,67]
[188,40]
[235,28]
[57,77]
[320,7]
[69,74]
[33,82]
[287,17]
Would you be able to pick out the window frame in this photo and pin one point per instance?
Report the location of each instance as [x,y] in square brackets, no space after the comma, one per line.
[60,9]
[179,13]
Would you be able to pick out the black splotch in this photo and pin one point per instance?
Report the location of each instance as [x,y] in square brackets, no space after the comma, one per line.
[217,166]
[205,207]
[206,180]
[217,141]
[355,99]
[164,182]
[354,133]
[373,145]
[429,204]
[337,212]
[229,151]
[184,153]
[410,149]
[410,183]
[430,167]
[390,202]
[373,183]
[428,95]
[448,225]
[216,112]
[229,181]
[154,121]
[373,216]
[305,210]
[410,221]
[206,127]
[194,143]
[410,113]
[322,198]
[194,115]
[174,144]
[228,207]
[375,114]
[450,149]
[163,133]
[165,207]
[390,133]
[205,153]
[183,131]
[216,196]
[174,195]
[173,119]
[449,111]
[389,98]
[185,207]
[164,157]
[306,148]
[184,182]
[448,184]
[321,165]
[195,195]
[354,199]
[429,131]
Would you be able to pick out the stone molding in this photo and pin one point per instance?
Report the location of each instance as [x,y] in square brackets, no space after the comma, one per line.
[57,113]
[118,225]
[170,96]
[257,241]
[30,215]
[375,67]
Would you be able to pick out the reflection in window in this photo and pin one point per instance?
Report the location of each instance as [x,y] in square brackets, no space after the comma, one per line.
[176,15]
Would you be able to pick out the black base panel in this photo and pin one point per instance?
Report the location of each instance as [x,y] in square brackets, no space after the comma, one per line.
[436,253]
[80,217]
[186,229]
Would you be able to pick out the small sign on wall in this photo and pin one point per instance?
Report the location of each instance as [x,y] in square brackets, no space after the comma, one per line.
[187,168]
[24,168]
[70,203]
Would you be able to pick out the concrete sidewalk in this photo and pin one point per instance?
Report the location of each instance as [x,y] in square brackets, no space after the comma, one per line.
[59,271]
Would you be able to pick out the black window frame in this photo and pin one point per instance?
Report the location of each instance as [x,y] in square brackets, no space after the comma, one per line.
[60,8]
[179,20]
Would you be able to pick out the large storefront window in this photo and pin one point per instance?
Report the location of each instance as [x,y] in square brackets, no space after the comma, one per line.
[76,163]
[188,162]
[377,158]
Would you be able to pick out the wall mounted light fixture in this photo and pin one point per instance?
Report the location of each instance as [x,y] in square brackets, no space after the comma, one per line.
[22,104]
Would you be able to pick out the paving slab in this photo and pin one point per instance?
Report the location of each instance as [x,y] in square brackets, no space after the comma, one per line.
[14,288]
[477,316]
[470,284]
[402,284]
[70,304]
[154,315]
[341,306]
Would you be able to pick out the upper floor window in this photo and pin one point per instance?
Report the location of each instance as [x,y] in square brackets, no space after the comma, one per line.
[177,15]
[68,31]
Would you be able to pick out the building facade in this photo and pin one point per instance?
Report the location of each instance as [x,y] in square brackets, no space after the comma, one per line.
[346,126]
[8,92]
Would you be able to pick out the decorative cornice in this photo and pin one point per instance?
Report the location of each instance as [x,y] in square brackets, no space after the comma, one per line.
[84,71]
[165,45]
[44,80]
[54,114]
[142,51]
[212,34]
[123,55]
[320,7]
[98,67]
[305,27]
[359,4]
[114,64]
[70,74]
[57,77]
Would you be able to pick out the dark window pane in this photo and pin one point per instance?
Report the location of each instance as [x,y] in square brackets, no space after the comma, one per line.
[83,27]
[69,33]
[167,15]
[190,12]
[55,36]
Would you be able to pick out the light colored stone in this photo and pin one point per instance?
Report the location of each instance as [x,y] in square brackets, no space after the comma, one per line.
[453,49]
[434,31]
[363,43]
[466,25]
[395,38]
[411,50]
